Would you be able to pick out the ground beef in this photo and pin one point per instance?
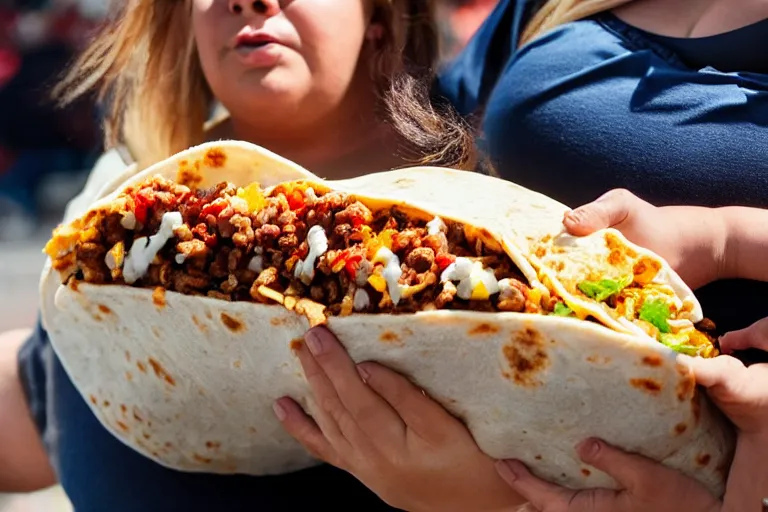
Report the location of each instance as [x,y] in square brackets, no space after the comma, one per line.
[224,251]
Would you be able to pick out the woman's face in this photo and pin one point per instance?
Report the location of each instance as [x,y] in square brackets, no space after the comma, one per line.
[272,61]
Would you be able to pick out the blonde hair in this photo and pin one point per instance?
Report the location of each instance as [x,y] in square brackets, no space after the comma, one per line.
[559,12]
[144,63]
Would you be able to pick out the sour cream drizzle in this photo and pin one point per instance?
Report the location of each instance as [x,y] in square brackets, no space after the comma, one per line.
[471,275]
[144,249]
[318,245]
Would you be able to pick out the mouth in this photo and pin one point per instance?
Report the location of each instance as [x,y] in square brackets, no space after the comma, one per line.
[250,42]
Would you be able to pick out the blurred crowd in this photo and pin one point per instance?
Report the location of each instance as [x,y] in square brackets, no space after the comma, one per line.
[46,151]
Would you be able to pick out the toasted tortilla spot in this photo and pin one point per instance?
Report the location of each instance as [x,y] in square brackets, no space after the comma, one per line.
[538,457]
[104,309]
[483,328]
[146,435]
[123,426]
[680,428]
[296,344]
[94,401]
[189,176]
[168,444]
[696,408]
[156,332]
[407,332]
[123,408]
[252,430]
[201,459]
[646,385]
[405,182]
[598,359]
[158,297]
[526,357]
[141,366]
[212,445]
[277,321]
[585,472]
[231,323]
[98,318]
[389,337]
[73,285]
[215,158]
[685,387]
[160,372]
[237,364]
[128,356]
[200,325]
[106,403]
[703,459]
[653,361]
[128,376]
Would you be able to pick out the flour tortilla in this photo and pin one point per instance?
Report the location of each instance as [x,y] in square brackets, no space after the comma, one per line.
[189,381]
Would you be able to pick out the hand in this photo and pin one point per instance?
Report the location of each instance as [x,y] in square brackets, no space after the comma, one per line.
[740,392]
[690,239]
[375,424]
[646,485]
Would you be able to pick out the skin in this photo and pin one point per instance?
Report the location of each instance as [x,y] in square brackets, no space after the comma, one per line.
[739,391]
[315,105]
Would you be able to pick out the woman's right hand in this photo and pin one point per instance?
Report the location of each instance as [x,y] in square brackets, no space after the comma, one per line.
[691,239]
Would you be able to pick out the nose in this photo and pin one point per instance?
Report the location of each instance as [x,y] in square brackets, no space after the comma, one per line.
[250,7]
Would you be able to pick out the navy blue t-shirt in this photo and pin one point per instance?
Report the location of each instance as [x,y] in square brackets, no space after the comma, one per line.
[586,108]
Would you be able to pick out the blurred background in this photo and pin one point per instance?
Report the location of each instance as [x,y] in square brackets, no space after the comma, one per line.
[46,152]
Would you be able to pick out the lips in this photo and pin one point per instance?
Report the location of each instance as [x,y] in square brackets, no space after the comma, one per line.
[249,41]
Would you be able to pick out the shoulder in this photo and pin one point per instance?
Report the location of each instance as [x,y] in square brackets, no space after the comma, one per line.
[111,169]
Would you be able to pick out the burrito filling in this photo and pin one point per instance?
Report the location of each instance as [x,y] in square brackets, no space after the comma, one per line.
[653,307]
[318,252]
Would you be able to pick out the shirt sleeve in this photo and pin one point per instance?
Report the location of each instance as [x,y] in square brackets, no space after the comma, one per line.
[32,359]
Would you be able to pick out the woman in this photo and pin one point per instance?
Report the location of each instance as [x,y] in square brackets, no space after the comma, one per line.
[338,87]
[596,94]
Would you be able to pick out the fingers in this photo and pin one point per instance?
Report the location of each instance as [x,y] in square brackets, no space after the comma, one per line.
[713,372]
[543,496]
[331,416]
[419,412]
[754,336]
[304,430]
[340,390]
[610,209]
[635,473]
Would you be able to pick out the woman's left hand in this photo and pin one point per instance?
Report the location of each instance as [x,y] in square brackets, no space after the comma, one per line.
[375,424]
[646,485]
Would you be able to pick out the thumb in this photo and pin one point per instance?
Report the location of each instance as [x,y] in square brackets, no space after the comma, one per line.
[608,210]
[754,336]
[542,495]
[633,472]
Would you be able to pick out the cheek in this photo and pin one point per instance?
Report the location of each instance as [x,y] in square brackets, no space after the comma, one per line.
[332,42]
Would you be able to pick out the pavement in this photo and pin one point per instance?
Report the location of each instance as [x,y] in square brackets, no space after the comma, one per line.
[20,266]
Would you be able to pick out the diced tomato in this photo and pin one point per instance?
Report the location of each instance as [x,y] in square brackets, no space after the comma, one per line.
[295,199]
[443,260]
[214,208]
[201,230]
[144,200]
[351,265]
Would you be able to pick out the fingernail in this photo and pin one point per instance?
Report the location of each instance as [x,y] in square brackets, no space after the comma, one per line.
[314,342]
[279,410]
[363,373]
[589,448]
[511,468]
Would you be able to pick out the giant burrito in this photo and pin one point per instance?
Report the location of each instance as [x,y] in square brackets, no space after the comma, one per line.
[174,302]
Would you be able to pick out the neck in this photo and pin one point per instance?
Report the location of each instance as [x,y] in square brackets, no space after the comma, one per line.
[692,18]
[347,142]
